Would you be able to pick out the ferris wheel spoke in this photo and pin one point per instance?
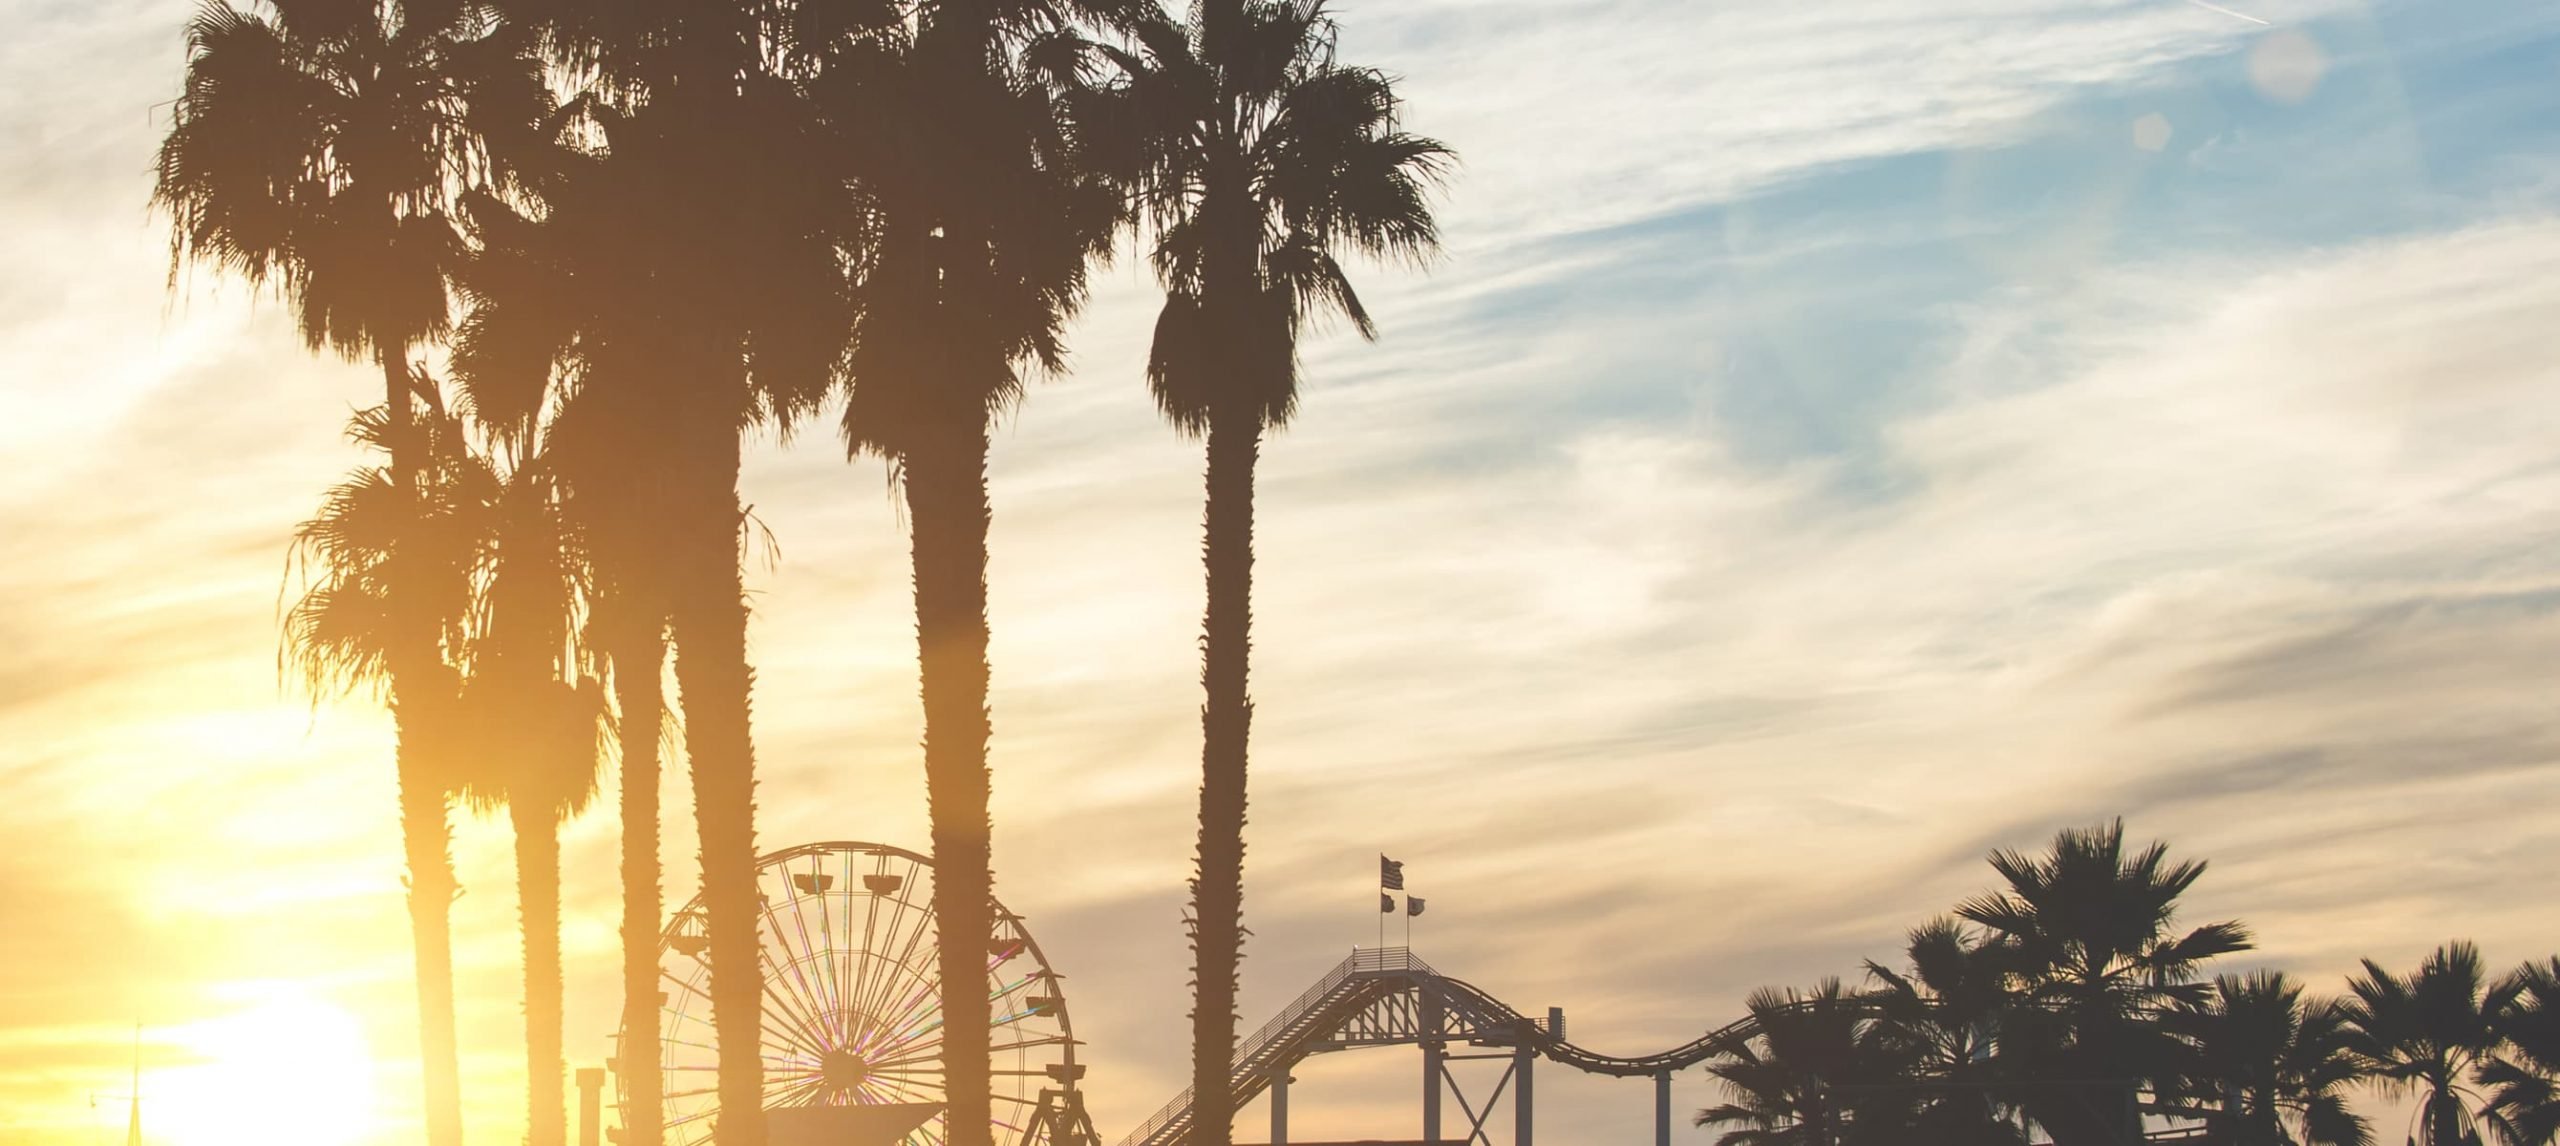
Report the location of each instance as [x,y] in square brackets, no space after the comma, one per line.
[822,980]
[775,1025]
[870,920]
[779,992]
[901,1089]
[796,1093]
[842,967]
[905,961]
[789,979]
[915,1010]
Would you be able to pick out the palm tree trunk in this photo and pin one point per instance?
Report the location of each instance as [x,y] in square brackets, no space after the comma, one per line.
[426,834]
[946,482]
[538,905]
[639,654]
[714,684]
[1226,720]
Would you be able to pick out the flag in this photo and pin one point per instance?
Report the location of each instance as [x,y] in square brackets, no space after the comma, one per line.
[1386,903]
[1390,874]
[1412,905]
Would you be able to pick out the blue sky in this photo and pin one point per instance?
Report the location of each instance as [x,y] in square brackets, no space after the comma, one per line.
[1841,438]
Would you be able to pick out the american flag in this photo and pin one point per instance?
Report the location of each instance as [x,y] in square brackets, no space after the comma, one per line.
[1390,873]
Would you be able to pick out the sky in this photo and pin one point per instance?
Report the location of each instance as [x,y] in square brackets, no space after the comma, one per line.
[1841,437]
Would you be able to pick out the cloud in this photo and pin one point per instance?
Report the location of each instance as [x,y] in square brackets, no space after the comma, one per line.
[1815,466]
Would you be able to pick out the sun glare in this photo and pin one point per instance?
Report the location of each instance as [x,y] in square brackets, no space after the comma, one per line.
[292,1070]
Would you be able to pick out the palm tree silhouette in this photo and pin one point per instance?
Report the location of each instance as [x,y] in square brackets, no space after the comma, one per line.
[315,149]
[982,221]
[681,286]
[532,710]
[2524,1099]
[2427,1032]
[2089,932]
[553,300]
[1809,1069]
[1260,160]
[1946,1014]
[2269,1066]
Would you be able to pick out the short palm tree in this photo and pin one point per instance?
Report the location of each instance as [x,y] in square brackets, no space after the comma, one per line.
[2524,1075]
[531,710]
[1945,1014]
[2090,933]
[2427,1032]
[554,318]
[980,229]
[2268,1067]
[1809,1069]
[1261,160]
[315,148]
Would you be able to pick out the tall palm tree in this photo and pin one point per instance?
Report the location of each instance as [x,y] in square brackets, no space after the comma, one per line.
[980,230]
[1810,1069]
[1261,160]
[315,148]
[2427,1032]
[2269,1067]
[2524,1076]
[1945,1014]
[2091,934]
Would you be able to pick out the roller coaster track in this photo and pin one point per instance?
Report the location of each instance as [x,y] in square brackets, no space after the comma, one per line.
[1389,997]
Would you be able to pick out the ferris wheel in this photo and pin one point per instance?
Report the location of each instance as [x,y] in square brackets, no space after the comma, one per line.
[853,1006]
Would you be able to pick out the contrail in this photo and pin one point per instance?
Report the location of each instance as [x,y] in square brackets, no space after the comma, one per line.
[2228,12]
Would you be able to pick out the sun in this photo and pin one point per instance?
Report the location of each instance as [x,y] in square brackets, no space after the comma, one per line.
[291,1070]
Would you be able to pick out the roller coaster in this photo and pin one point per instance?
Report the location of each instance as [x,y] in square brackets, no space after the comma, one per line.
[1389,997]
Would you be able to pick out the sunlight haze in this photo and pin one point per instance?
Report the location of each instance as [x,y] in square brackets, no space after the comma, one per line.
[1838,438]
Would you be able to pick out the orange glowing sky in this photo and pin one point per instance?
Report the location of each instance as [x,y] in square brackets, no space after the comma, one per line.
[1841,440]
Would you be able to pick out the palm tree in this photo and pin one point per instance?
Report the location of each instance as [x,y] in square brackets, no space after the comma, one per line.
[1809,1069]
[1261,161]
[2524,1076]
[532,712]
[315,148]
[2090,933]
[980,230]
[552,307]
[2269,1067]
[2427,1032]
[682,283]
[1945,1015]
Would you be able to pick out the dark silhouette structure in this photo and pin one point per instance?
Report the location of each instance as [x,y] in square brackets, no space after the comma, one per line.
[1260,160]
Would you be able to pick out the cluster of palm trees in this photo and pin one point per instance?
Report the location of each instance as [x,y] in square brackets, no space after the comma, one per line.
[2068,1006]
[589,244]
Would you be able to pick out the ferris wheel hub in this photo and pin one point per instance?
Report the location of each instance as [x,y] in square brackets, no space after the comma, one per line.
[844,1069]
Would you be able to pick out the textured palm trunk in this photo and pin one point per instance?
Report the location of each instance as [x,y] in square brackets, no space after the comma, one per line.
[538,905]
[1226,722]
[946,485]
[639,655]
[713,683]
[426,832]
